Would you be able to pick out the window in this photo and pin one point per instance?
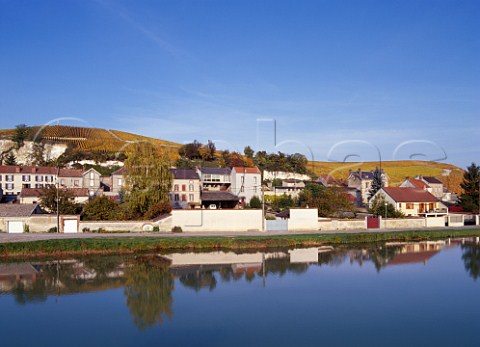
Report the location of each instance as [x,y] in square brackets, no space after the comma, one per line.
[91,175]
[175,188]
[255,189]
[242,179]
[9,178]
[39,178]
[191,187]
[242,189]
[38,185]
[409,206]
[120,182]
[176,197]
[184,187]
[25,178]
[76,183]
[26,185]
[191,197]
[62,182]
[255,180]
[184,197]
[9,186]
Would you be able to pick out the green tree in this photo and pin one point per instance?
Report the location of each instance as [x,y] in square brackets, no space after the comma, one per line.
[66,201]
[255,202]
[10,159]
[471,260]
[148,180]
[100,208]
[377,207]
[377,183]
[249,152]
[277,182]
[470,185]
[21,134]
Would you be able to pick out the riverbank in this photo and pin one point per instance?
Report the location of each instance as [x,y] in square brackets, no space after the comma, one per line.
[128,244]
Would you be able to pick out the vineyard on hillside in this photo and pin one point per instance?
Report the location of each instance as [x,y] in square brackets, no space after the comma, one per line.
[396,170]
[90,139]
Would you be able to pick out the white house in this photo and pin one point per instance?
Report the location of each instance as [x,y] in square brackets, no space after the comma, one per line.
[246,182]
[411,201]
[185,192]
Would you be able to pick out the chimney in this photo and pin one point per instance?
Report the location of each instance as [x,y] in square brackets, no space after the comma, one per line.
[17,169]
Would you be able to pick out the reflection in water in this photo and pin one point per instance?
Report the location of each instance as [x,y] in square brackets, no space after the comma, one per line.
[471,259]
[148,291]
[148,282]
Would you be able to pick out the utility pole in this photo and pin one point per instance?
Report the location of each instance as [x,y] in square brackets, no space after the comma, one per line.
[58,200]
[386,203]
[263,206]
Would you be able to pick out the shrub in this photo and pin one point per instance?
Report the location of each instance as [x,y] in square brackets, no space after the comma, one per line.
[157,210]
[177,229]
[156,228]
[270,217]
[100,208]
[255,202]
[52,230]
[86,230]
[26,228]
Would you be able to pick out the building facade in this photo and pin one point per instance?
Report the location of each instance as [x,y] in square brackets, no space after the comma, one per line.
[246,183]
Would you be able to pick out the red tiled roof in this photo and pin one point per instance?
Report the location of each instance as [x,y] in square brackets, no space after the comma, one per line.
[36,192]
[415,257]
[41,170]
[249,170]
[418,183]
[409,194]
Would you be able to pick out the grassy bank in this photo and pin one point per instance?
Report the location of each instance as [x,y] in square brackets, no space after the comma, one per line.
[125,245]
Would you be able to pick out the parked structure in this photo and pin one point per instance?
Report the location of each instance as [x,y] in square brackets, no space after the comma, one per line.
[13,217]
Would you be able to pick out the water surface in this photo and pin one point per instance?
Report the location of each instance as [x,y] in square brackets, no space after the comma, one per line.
[416,294]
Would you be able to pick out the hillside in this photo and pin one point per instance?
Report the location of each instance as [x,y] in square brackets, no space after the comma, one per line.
[396,170]
[91,140]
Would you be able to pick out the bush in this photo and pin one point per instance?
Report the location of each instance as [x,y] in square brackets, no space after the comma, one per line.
[26,228]
[156,228]
[52,230]
[157,210]
[177,229]
[100,208]
[270,217]
[86,230]
[255,202]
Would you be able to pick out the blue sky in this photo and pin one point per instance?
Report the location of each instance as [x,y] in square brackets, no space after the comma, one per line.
[340,79]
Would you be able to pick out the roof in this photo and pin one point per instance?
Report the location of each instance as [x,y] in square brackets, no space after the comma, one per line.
[184,174]
[418,183]
[219,196]
[37,192]
[409,194]
[120,171]
[215,170]
[433,180]
[247,170]
[40,170]
[415,257]
[17,210]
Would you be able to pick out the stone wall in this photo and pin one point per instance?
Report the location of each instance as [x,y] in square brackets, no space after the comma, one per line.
[402,223]
[303,219]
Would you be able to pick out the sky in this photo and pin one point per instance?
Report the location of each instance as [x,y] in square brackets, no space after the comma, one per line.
[334,80]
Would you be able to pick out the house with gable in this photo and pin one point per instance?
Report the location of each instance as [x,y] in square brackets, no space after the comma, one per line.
[246,182]
[216,188]
[412,202]
[362,181]
[185,192]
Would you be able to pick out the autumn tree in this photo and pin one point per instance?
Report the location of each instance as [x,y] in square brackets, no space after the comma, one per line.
[329,201]
[66,200]
[100,208]
[148,180]
[469,200]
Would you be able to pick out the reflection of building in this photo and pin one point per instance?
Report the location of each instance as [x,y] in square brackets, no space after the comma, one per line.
[419,252]
[13,275]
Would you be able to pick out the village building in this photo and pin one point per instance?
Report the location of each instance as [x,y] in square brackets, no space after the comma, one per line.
[185,192]
[246,182]
[412,201]
[362,181]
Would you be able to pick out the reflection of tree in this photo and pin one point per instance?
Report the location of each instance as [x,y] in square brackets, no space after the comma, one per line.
[199,279]
[471,259]
[148,291]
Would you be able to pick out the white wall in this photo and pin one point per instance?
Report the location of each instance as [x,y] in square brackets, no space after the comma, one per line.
[217,220]
[433,222]
[303,219]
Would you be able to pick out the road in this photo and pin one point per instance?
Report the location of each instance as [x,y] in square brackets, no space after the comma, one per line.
[27,237]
